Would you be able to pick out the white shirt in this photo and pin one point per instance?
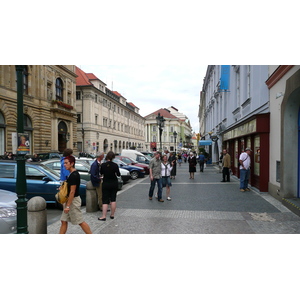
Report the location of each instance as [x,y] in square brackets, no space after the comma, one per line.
[166,169]
[245,158]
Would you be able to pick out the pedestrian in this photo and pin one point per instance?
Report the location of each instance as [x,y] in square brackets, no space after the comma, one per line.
[192,164]
[166,171]
[35,158]
[72,208]
[201,160]
[220,162]
[179,158]
[172,159]
[63,172]
[226,164]
[110,172]
[96,177]
[245,163]
[155,176]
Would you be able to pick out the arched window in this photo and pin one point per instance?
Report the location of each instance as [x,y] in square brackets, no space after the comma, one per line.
[25,81]
[2,134]
[28,129]
[59,89]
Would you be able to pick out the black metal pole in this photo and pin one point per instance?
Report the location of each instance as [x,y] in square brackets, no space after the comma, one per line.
[160,133]
[21,187]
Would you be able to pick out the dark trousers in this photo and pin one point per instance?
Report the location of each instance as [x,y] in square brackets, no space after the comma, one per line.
[201,163]
[226,174]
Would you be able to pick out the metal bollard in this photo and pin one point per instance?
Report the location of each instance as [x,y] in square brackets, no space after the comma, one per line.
[91,198]
[37,215]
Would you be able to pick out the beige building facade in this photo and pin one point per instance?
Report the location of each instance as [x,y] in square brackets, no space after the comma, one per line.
[105,120]
[49,107]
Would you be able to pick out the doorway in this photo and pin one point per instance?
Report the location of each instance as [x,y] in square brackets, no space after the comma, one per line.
[62,136]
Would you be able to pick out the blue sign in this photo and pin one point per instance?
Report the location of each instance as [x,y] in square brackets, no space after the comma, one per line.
[225,72]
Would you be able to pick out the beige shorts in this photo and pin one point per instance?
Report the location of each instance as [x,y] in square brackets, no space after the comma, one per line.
[74,215]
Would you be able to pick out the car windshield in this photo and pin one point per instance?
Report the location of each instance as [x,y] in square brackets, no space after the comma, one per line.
[53,173]
[119,162]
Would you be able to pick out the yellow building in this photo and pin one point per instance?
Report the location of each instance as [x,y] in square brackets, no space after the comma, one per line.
[49,107]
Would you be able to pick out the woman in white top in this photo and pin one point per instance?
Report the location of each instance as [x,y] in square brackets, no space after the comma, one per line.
[166,169]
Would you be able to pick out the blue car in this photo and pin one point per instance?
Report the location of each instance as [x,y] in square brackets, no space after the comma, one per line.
[41,181]
[135,172]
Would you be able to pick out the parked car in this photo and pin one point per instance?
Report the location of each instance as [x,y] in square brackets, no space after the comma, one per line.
[49,155]
[80,165]
[131,161]
[149,155]
[136,155]
[41,180]
[8,212]
[87,160]
[135,172]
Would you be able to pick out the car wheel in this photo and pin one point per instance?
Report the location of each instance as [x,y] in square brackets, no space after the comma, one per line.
[134,175]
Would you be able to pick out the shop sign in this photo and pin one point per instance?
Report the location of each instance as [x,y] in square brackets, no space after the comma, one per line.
[241,130]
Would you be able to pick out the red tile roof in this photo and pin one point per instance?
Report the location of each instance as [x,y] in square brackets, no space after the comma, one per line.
[91,76]
[163,112]
[82,78]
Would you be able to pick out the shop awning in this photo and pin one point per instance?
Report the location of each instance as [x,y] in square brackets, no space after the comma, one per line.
[205,142]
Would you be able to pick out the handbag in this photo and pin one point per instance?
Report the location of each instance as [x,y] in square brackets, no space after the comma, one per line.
[62,194]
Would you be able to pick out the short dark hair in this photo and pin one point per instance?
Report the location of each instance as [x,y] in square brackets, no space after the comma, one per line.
[67,152]
[71,159]
[110,155]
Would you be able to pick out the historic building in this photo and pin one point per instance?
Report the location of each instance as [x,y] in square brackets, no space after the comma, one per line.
[284,162]
[49,107]
[234,105]
[105,120]
[176,133]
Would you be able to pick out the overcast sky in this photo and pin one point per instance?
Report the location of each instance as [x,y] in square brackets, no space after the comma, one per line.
[151,87]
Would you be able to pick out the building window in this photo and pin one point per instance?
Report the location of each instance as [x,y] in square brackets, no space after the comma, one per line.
[78,95]
[59,89]
[96,119]
[25,80]
[78,118]
[153,128]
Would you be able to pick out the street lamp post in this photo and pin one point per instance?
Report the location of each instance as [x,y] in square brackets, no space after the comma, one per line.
[21,187]
[160,123]
[175,136]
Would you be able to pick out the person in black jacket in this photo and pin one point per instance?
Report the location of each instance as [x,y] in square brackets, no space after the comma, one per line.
[96,178]
[110,171]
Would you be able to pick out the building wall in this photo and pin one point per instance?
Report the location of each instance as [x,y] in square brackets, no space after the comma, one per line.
[43,114]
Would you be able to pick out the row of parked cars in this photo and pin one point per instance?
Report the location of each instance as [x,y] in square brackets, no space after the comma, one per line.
[43,180]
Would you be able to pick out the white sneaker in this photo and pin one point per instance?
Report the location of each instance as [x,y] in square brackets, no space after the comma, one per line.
[169,199]
[156,196]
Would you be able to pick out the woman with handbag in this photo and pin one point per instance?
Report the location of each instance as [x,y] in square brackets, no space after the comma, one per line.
[110,171]
[72,208]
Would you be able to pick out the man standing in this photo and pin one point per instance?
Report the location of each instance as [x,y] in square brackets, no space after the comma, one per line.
[226,163]
[245,163]
[95,177]
[155,176]
[201,159]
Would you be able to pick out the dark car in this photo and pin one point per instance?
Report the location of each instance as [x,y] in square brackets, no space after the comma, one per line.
[8,212]
[131,161]
[135,172]
[49,155]
[41,180]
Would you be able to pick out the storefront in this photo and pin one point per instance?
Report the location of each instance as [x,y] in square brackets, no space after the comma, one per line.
[253,133]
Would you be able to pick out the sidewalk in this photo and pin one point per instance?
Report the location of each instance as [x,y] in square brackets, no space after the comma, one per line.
[202,205]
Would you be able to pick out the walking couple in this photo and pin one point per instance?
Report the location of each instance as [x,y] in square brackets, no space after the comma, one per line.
[160,172]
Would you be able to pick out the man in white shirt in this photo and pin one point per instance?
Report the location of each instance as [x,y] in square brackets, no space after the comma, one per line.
[245,163]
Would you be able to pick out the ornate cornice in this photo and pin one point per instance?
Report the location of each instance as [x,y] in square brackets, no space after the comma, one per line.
[277,75]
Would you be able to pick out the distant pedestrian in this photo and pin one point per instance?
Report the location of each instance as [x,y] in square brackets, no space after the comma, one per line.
[110,172]
[155,176]
[72,208]
[96,177]
[179,158]
[35,158]
[173,161]
[226,164]
[192,165]
[220,162]
[245,163]
[166,171]
[201,160]
[64,173]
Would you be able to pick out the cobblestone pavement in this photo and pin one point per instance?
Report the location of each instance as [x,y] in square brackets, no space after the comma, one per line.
[200,206]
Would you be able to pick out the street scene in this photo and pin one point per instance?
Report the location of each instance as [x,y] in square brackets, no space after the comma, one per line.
[204,205]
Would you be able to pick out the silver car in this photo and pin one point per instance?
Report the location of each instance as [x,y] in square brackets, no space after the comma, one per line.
[8,212]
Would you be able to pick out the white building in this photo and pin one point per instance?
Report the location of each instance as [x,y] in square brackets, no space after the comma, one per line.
[234,103]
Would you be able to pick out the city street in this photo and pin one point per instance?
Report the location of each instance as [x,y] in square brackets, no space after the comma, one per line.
[199,206]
